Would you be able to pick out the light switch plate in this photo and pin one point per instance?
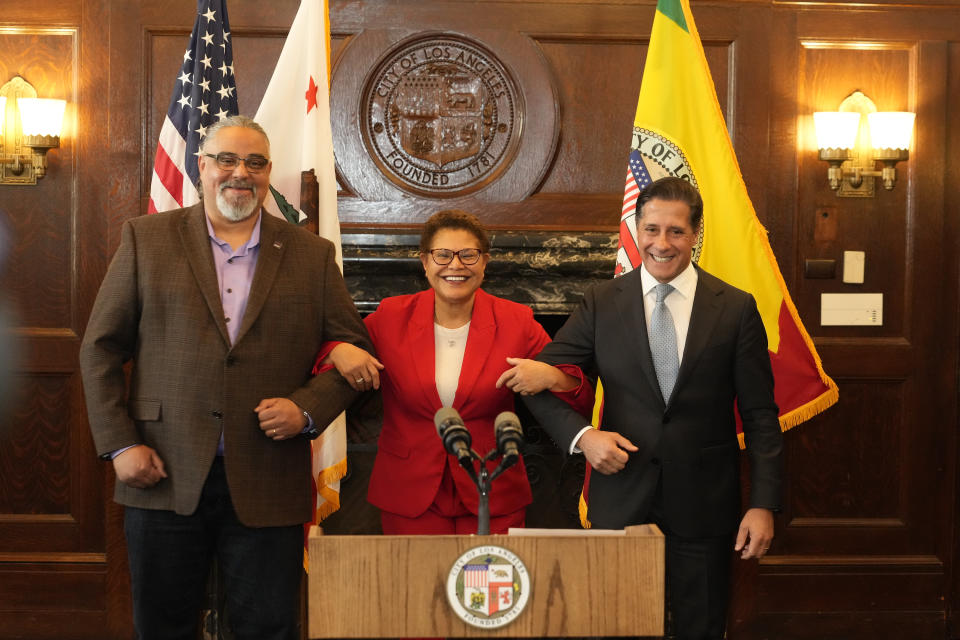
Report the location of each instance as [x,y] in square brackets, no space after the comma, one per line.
[853,266]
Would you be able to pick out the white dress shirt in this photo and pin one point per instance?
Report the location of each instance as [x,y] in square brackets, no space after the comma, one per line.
[680,304]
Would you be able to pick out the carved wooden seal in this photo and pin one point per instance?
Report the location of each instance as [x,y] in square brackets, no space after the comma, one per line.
[441,116]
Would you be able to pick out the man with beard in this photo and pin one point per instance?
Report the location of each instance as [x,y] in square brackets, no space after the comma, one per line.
[222,310]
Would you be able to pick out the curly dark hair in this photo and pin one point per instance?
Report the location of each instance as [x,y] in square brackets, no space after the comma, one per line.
[453,219]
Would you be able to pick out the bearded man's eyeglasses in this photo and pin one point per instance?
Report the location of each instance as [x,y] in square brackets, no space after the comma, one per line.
[228,161]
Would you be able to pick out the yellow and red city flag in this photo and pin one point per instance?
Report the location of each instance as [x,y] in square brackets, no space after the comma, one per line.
[679,130]
[295,112]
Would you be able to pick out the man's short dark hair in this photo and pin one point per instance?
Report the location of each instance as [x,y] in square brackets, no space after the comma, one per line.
[454,219]
[673,190]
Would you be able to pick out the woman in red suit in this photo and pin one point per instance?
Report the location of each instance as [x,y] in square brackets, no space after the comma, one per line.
[451,345]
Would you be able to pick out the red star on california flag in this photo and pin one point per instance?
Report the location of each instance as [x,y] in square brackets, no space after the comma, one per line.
[311,95]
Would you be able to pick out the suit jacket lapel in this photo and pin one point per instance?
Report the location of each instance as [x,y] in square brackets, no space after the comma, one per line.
[629,303]
[479,345]
[196,242]
[422,347]
[273,235]
[703,320]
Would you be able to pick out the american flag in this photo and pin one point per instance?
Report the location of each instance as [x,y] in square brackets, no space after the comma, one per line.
[638,178]
[475,575]
[205,91]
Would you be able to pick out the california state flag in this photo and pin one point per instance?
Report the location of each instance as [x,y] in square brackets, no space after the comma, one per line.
[679,130]
[295,112]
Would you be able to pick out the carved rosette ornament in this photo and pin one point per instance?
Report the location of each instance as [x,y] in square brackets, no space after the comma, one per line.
[441,116]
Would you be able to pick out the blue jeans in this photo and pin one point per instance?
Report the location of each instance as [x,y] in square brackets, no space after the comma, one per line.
[170,558]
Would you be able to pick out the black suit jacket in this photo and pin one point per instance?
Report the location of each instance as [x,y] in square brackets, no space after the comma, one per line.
[688,441]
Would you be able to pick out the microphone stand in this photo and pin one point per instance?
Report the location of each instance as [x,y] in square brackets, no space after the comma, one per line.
[482,480]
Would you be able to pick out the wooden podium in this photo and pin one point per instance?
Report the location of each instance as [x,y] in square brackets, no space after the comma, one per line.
[581,583]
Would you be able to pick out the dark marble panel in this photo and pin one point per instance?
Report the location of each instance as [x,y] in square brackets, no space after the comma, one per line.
[546,271]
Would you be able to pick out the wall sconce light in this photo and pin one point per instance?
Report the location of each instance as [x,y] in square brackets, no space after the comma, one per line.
[27,122]
[852,144]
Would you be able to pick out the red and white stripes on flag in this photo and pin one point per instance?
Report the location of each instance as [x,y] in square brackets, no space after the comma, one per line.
[476,576]
[205,91]
[167,187]
[628,256]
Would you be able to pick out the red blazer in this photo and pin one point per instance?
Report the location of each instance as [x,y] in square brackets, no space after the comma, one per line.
[410,456]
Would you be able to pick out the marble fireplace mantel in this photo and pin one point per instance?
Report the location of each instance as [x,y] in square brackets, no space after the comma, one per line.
[547,271]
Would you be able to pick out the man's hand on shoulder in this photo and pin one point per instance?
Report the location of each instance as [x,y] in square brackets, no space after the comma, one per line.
[139,467]
[606,451]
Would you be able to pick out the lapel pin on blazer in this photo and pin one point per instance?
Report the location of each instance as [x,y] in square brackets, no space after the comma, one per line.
[277,244]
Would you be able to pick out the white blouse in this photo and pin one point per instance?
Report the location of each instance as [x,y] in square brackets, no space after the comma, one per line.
[449,345]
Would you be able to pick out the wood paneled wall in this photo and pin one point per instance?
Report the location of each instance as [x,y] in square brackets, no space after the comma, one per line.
[866,546]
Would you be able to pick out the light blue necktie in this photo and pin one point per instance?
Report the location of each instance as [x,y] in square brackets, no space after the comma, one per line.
[663,343]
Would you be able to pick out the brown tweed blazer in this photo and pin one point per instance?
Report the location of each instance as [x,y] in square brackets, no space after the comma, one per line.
[159,306]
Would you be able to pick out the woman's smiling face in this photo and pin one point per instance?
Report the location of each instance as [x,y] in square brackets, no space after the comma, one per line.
[454,283]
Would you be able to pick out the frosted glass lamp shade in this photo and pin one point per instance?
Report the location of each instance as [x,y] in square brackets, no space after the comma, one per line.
[891,129]
[41,117]
[836,129]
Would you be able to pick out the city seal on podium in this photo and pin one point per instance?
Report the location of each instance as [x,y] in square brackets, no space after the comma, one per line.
[488,587]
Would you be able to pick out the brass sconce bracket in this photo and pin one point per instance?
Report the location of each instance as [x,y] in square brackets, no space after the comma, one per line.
[852,165]
[856,166]
[890,158]
[23,157]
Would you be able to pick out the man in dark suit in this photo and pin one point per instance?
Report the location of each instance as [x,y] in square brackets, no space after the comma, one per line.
[672,375]
[222,310]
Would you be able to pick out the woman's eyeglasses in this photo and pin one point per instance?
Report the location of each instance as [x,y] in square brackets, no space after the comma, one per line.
[444,257]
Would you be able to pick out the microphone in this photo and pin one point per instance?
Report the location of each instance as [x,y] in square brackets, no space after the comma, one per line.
[509,434]
[456,438]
